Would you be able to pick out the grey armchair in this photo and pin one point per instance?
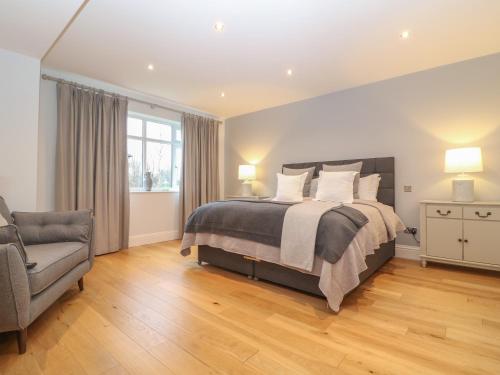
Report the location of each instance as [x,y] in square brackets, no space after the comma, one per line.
[41,256]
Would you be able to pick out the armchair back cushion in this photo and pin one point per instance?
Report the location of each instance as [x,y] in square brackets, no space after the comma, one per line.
[50,227]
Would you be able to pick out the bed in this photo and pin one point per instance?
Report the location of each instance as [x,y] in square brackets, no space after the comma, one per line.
[261,261]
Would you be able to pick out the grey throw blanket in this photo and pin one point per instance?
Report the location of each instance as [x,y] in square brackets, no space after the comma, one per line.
[262,221]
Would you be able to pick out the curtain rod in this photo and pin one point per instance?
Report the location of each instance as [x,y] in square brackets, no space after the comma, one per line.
[85,87]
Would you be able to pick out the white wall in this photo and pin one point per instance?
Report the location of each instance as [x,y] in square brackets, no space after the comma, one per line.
[154,216]
[19,89]
[414,118]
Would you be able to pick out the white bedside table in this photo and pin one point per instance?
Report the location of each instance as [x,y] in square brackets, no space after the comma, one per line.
[252,197]
[461,233]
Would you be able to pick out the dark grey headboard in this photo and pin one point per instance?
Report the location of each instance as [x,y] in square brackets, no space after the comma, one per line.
[382,166]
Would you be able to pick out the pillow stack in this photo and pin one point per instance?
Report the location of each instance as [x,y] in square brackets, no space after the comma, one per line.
[355,167]
[336,186]
[339,183]
[295,172]
[290,188]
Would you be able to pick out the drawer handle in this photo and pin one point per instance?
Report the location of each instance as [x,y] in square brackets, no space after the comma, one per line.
[459,240]
[483,216]
[446,214]
[466,240]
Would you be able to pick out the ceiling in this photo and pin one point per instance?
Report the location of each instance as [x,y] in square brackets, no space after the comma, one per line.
[30,27]
[330,44]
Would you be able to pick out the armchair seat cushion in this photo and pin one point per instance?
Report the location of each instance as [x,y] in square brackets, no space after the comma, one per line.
[53,261]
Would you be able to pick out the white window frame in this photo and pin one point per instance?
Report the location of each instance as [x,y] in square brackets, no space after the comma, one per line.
[174,144]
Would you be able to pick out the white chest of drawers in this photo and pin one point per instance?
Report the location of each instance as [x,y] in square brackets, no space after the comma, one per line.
[466,234]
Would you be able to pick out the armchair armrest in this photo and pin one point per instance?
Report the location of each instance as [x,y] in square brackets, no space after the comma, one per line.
[50,227]
[14,290]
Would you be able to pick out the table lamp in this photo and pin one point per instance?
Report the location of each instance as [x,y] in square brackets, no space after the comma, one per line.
[246,173]
[463,160]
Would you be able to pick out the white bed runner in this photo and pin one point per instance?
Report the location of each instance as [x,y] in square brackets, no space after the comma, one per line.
[298,238]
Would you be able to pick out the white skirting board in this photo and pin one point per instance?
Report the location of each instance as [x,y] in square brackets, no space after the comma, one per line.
[408,252]
[149,238]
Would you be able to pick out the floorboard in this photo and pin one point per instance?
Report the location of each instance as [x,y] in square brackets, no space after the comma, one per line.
[148,310]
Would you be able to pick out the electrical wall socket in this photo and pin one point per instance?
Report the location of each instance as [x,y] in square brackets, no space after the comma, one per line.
[411,230]
[407,188]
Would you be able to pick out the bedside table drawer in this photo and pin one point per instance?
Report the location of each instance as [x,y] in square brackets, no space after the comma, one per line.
[482,213]
[444,211]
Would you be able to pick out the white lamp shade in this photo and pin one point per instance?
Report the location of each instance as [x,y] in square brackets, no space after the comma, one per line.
[463,160]
[246,172]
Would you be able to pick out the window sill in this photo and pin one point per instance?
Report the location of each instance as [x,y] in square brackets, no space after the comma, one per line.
[153,191]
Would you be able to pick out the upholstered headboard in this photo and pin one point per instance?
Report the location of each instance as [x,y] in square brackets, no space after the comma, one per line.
[383,166]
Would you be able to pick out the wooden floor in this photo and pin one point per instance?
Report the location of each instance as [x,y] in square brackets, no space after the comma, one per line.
[148,310]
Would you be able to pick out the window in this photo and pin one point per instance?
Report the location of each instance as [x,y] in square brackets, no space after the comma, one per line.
[154,146]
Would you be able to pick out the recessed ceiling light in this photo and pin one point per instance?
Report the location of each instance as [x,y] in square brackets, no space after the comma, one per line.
[405,34]
[289,72]
[151,67]
[219,26]
[222,94]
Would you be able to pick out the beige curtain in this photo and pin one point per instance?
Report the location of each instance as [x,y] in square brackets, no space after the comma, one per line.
[91,161]
[200,164]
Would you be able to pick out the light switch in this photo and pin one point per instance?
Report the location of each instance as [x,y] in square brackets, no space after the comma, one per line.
[407,188]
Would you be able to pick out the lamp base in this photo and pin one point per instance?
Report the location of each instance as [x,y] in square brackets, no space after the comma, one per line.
[463,189]
[246,189]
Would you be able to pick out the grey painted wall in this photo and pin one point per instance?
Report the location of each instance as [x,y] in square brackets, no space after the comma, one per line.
[414,118]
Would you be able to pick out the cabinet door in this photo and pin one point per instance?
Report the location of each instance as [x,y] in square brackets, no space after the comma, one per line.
[444,238]
[482,241]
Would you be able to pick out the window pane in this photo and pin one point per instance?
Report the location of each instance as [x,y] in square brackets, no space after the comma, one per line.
[158,131]
[134,148]
[178,135]
[159,162]
[134,127]
[177,168]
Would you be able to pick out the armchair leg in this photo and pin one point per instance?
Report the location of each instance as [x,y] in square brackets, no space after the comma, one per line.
[22,337]
[80,284]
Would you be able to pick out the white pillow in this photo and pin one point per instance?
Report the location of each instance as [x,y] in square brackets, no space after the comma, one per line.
[368,187]
[336,186]
[3,222]
[290,188]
